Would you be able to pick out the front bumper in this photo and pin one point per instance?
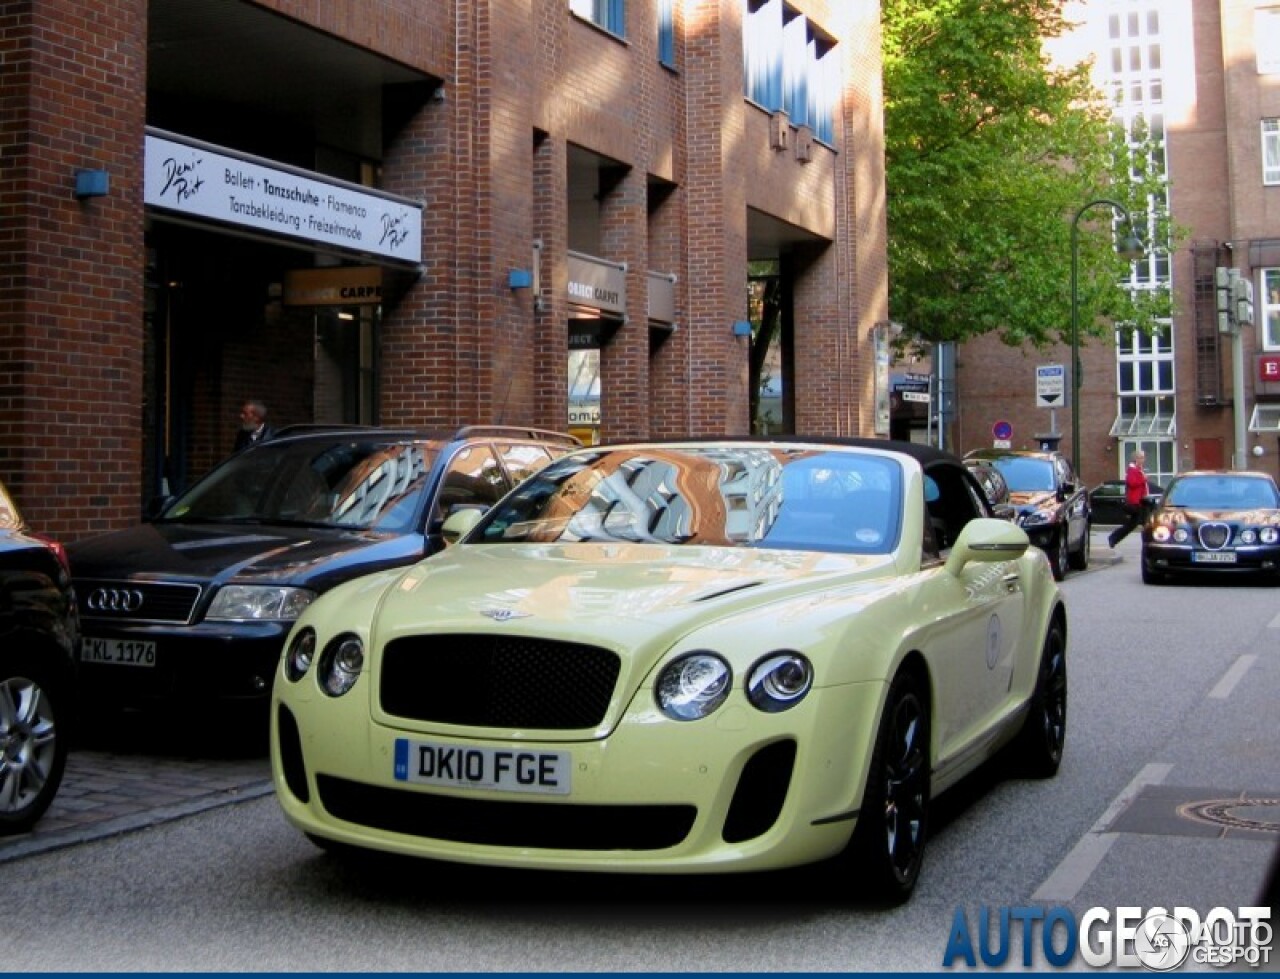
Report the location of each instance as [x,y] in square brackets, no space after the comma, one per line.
[1185,559]
[739,790]
[205,661]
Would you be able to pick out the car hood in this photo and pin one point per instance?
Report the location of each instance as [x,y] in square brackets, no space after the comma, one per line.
[1256,518]
[244,552]
[1034,499]
[592,592]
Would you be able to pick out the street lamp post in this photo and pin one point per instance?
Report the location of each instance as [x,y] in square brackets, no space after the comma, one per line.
[1130,247]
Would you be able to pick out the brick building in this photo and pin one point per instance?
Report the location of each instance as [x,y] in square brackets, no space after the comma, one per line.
[536,212]
[1208,73]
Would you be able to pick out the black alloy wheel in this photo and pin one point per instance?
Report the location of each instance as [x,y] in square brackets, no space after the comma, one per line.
[1043,737]
[1079,560]
[1060,556]
[33,750]
[887,848]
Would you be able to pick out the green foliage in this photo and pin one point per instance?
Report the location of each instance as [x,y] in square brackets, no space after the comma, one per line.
[991,152]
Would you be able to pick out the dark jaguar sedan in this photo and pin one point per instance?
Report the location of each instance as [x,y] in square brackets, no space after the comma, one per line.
[1214,523]
[196,603]
[37,669]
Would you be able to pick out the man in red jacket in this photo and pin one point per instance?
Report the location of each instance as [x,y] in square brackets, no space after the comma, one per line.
[1135,491]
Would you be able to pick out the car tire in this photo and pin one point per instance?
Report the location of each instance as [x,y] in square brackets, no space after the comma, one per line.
[1079,559]
[1060,556]
[887,847]
[1038,747]
[33,736]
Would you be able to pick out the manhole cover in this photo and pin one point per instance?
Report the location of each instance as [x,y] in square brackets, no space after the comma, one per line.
[1260,815]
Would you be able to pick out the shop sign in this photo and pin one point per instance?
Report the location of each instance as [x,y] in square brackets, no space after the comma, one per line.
[662,298]
[1268,374]
[339,286]
[597,283]
[200,180]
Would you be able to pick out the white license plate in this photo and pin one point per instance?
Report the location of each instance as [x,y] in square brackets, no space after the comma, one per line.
[1213,557]
[473,767]
[117,652]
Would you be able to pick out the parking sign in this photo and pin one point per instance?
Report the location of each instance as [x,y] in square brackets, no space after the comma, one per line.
[1051,386]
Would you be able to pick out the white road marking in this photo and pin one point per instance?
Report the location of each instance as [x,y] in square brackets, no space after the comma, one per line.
[1274,623]
[1078,865]
[1233,676]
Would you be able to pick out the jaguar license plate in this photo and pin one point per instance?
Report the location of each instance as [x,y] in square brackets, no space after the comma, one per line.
[1213,557]
[117,652]
[477,767]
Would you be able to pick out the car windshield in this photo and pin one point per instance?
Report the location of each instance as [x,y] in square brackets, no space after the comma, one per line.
[1223,493]
[353,483]
[728,496]
[1025,475]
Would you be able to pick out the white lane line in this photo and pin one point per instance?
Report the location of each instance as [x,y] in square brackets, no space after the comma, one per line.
[1078,865]
[1233,676]
[1274,623]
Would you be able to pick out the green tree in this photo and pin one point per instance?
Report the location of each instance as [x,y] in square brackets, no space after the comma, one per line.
[991,151]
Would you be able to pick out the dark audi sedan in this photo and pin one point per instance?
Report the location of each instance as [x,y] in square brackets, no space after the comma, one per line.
[37,669]
[1214,523]
[1050,503]
[195,604]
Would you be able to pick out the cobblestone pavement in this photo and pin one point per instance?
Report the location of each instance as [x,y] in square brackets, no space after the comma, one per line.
[133,771]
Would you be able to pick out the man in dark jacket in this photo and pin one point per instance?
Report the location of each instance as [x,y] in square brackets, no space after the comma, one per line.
[253,425]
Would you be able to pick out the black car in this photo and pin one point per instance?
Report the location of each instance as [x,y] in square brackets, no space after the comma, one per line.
[37,669]
[195,603]
[1214,522]
[1107,500]
[1052,504]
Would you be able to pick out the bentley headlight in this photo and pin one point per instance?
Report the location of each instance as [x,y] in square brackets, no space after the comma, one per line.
[1269,535]
[242,602]
[779,681]
[1036,518]
[693,686]
[297,660]
[340,665]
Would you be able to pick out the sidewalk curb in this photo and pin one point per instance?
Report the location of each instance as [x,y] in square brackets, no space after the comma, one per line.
[32,845]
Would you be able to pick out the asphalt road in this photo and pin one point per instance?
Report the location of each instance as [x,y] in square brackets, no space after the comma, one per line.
[1167,796]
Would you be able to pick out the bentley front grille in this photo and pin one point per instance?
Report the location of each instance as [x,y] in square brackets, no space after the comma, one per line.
[498,681]
[136,601]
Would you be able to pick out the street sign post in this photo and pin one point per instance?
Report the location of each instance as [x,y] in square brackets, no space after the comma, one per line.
[1051,386]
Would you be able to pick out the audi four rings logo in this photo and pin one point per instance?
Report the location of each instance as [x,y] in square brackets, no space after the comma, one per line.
[115,600]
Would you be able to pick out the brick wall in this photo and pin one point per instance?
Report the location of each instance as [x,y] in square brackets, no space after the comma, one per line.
[71,271]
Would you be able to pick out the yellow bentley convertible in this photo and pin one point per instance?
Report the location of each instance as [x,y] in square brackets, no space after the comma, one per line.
[681,657]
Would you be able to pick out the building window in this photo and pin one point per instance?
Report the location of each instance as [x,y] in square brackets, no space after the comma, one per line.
[667,32]
[1266,33]
[1268,310]
[608,14]
[790,65]
[1271,151]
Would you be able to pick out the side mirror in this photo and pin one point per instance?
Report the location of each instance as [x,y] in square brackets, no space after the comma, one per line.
[460,522]
[987,539]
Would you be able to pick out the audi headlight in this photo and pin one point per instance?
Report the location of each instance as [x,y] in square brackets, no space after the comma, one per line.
[242,602]
[340,665]
[1269,535]
[297,660]
[1036,518]
[693,686]
[779,681]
